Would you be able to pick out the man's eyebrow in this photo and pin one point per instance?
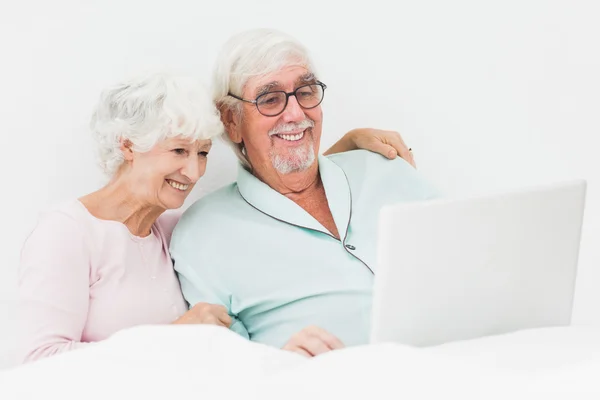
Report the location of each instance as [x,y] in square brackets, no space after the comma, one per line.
[309,77]
[266,88]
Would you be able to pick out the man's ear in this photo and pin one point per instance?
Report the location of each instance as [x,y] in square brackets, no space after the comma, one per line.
[127,149]
[232,122]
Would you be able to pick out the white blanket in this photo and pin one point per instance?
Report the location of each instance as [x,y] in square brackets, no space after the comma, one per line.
[206,362]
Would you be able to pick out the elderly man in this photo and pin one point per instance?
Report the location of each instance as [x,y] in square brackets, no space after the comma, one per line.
[290,248]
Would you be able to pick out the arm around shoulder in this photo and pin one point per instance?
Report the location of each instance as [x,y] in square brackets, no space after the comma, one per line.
[396,173]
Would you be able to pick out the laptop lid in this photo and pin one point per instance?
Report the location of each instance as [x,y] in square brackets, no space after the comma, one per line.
[456,269]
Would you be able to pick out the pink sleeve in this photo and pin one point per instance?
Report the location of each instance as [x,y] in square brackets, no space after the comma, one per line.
[53,288]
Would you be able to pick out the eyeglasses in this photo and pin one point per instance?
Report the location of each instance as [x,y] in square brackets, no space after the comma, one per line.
[271,104]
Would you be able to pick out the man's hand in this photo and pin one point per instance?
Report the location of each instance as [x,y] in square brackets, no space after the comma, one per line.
[313,341]
[387,143]
[204,313]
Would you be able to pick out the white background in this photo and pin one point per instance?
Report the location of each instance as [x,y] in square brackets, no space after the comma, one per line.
[490,94]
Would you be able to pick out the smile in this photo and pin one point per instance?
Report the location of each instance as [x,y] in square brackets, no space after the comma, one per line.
[179,186]
[291,137]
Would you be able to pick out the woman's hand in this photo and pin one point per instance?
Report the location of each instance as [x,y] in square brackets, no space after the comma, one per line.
[204,313]
[387,143]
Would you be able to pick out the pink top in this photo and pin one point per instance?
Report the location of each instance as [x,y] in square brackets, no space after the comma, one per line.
[82,278]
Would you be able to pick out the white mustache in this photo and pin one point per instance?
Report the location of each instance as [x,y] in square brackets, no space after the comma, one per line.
[291,127]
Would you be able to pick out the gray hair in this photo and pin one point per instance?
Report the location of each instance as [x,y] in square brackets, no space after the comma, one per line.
[148,109]
[253,53]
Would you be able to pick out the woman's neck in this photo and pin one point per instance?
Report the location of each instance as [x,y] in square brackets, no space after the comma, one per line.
[117,202]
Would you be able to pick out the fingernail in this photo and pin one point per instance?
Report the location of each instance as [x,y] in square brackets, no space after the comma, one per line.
[392,154]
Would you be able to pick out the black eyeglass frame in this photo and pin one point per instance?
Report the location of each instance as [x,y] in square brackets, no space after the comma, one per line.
[287,97]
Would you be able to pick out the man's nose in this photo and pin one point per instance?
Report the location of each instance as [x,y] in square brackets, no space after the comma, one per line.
[293,112]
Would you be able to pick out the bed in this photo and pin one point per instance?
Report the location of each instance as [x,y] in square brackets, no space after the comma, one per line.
[207,362]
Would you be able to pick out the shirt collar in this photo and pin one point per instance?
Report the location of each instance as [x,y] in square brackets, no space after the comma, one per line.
[268,201]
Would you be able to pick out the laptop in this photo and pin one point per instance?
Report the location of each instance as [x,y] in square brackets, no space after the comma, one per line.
[463,268]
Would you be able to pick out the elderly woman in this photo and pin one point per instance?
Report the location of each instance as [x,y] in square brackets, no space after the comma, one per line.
[100,263]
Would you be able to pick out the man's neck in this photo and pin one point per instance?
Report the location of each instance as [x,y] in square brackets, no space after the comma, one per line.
[306,189]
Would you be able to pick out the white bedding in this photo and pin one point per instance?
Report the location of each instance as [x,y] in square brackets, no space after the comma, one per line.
[200,362]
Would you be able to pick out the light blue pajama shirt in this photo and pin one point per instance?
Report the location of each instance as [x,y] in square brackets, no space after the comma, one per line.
[278,270]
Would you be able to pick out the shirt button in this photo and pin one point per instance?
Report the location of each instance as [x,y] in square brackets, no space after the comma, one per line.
[350,247]
[153,277]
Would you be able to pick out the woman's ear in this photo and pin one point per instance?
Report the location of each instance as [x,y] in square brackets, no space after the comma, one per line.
[126,149]
[232,122]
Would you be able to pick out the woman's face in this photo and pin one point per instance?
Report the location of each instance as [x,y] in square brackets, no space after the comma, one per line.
[165,175]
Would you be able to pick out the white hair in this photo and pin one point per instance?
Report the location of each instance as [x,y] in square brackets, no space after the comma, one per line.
[148,109]
[253,53]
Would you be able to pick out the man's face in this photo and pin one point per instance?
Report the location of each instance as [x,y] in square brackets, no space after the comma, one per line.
[288,142]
